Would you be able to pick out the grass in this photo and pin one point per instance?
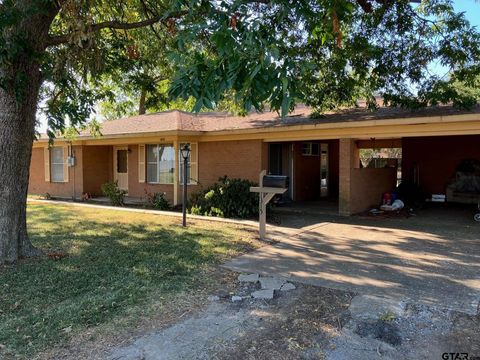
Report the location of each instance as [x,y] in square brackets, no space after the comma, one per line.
[118,264]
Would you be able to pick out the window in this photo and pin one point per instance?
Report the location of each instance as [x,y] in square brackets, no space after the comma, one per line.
[192,170]
[160,164]
[57,164]
[122,161]
[310,149]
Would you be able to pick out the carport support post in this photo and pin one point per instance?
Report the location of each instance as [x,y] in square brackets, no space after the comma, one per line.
[349,159]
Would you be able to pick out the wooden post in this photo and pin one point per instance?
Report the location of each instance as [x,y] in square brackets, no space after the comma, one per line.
[265,194]
[262,207]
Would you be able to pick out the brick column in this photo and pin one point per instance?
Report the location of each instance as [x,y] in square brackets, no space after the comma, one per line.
[349,159]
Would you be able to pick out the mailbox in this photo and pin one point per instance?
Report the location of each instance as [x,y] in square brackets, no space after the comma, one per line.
[275,181]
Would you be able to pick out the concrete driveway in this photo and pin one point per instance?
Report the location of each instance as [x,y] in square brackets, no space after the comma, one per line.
[433,258]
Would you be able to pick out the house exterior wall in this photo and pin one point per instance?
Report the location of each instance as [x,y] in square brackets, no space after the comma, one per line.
[97,168]
[436,159]
[368,185]
[38,185]
[236,159]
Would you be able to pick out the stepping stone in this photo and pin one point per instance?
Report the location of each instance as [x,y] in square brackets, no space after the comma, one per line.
[287,287]
[236,298]
[263,294]
[271,283]
[253,278]
[213,298]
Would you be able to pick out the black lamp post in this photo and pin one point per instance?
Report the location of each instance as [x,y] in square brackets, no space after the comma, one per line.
[185,153]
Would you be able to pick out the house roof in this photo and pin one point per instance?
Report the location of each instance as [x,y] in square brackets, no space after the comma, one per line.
[176,120]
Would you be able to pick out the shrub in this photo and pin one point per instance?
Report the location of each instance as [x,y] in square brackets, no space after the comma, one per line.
[114,193]
[158,201]
[226,198]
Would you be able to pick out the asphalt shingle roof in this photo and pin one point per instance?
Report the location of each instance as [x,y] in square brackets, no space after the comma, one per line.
[176,120]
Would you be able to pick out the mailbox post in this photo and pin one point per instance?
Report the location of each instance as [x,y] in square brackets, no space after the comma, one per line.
[265,194]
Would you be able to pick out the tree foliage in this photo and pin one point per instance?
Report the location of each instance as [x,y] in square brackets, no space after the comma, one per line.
[244,53]
[330,53]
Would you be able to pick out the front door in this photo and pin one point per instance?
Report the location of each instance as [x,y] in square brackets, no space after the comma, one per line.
[120,166]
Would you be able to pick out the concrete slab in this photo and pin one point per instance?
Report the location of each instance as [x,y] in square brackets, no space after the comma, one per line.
[287,287]
[435,263]
[252,278]
[266,294]
[370,307]
[271,283]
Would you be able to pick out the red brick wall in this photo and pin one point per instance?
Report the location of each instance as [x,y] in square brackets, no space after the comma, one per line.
[437,159]
[236,159]
[368,185]
[38,185]
[97,168]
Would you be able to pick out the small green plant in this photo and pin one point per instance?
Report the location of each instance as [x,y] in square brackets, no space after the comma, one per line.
[47,196]
[158,201]
[388,316]
[114,193]
[227,198]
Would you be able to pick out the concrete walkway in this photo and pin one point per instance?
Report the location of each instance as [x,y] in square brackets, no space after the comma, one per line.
[429,260]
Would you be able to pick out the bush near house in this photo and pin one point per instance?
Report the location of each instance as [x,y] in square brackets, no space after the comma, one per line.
[114,193]
[158,201]
[227,198]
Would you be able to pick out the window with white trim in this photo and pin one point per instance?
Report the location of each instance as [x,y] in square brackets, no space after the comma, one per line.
[160,164]
[192,169]
[57,164]
[310,149]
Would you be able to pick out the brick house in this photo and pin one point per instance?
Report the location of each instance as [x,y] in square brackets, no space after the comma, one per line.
[321,156]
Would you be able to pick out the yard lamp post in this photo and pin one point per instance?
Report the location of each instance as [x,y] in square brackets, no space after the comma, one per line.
[185,153]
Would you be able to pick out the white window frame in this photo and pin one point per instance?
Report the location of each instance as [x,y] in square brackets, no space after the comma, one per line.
[192,163]
[307,148]
[52,164]
[147,162]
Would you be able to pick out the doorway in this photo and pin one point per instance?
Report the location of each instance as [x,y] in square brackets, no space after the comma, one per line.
[120,166]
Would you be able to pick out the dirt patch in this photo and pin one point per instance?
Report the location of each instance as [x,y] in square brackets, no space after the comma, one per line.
[380,330]
[295,324]
[418,332]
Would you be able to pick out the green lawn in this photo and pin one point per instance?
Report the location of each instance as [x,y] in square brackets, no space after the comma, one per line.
[118,265]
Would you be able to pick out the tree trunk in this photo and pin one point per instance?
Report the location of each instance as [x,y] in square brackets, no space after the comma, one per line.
[141,106]
[18,106]
[17,128]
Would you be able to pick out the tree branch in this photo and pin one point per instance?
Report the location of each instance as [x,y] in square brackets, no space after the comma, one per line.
[62,39]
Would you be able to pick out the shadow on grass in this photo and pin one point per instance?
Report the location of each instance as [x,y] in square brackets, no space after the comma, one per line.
[112,267]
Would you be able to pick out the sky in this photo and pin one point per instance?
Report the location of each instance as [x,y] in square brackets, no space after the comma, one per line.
[471,8]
